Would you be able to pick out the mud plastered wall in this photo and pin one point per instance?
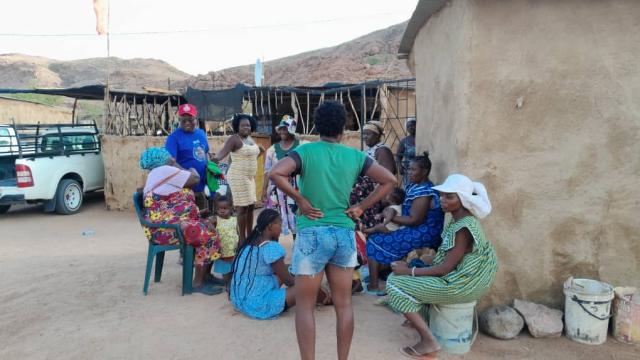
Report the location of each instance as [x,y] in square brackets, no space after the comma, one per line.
[540,103]
[123,176]
[24,112]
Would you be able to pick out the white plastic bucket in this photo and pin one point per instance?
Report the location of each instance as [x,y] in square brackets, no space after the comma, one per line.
[587,310]
[453,326]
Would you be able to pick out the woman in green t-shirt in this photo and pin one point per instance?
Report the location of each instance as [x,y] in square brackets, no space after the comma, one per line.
[325,223]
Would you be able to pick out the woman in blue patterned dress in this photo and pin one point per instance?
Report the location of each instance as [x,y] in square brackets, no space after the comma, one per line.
[259,272]
[421,217]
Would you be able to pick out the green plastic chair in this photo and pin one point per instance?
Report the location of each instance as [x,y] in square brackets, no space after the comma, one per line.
[158,251]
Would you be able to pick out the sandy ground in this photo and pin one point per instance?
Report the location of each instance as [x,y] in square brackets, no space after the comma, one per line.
[68,296]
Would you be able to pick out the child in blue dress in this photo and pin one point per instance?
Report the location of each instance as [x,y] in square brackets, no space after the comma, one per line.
[259,272]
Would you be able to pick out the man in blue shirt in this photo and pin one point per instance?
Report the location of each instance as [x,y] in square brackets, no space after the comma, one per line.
[188,145]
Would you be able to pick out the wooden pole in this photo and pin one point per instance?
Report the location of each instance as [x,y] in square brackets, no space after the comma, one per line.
[106,115]
[73,112]
[364,114]
[353,108]
[300,112]
[375,102]
[308,106]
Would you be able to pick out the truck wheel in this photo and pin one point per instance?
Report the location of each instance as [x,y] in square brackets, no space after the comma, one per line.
[4,208]
[68,197]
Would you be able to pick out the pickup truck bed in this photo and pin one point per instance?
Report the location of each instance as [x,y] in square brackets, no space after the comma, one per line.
[53,164]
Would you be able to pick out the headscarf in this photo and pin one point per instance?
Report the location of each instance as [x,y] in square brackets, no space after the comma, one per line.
[473,195]
[154,157]
[375,126]
[289,123]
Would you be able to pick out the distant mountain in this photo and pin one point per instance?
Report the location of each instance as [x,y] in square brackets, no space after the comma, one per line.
[24,71]
[370,57]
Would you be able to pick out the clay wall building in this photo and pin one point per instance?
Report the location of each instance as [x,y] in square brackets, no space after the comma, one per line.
[540,101]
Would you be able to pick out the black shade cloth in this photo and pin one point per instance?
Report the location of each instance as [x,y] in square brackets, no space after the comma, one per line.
[216,105]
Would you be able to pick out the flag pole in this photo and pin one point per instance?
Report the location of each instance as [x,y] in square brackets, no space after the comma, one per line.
[106,89]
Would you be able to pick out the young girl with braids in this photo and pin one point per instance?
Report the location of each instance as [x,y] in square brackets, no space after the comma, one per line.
[259,272]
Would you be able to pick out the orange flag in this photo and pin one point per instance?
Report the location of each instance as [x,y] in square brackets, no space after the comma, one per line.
[100,8]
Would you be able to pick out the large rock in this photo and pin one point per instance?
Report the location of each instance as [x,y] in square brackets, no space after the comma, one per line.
[502,322]
[541,320]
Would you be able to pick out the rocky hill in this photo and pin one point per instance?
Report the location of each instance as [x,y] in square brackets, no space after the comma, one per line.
[24,71]
[370,57]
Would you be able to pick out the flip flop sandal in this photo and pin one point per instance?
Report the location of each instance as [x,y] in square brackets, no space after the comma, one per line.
[208,290]
[381,302]
[374,292]
[215,281]
[411,353]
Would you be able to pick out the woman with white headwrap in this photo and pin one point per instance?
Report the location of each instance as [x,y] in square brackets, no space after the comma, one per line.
[377,150]
[372,135]
[274,198]
[463,269]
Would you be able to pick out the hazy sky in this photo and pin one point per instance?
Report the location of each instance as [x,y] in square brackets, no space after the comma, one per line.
[196,36]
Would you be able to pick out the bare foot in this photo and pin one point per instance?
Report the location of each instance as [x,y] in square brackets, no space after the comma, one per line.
[356,286]
[371,287]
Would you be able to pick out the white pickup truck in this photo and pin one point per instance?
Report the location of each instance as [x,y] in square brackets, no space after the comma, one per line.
[50,164]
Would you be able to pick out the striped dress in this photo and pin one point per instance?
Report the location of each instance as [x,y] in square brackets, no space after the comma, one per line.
[242,174]
[467,282]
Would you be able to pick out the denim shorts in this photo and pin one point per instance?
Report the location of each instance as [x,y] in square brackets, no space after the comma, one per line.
[317,246]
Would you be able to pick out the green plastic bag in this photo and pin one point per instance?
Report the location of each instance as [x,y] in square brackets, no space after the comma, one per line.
[213,174]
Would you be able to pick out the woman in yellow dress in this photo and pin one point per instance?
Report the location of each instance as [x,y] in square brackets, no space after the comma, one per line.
[241,176]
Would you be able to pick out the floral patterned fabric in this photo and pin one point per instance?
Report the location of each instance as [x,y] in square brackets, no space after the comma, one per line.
[228,231]
[180,208]
[364,187]
[276,198]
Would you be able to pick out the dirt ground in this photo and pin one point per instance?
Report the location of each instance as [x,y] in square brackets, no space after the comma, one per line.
[68,296]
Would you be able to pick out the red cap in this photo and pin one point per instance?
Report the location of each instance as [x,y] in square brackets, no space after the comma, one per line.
[187,109]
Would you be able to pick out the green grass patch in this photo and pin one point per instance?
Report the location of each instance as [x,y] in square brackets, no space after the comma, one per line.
[50,100]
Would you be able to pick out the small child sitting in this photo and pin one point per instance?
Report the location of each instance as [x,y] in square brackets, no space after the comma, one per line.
[394,208]
[227,228]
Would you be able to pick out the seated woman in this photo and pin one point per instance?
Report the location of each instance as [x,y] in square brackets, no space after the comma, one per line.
[421,217]
[168,199]
[259,271]
[463,270]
